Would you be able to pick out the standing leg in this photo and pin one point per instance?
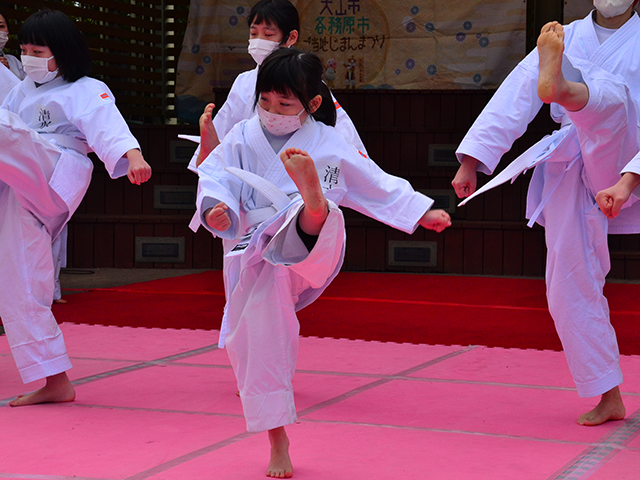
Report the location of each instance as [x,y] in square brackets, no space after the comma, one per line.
[26,293]
[263,334]
[577,264]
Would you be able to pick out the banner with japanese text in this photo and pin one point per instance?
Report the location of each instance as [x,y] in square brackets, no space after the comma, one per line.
[393,44]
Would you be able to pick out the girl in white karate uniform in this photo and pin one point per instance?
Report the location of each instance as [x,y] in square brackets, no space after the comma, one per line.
[48,123]
[272,189]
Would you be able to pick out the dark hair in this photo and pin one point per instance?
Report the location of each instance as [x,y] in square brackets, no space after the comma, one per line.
[282,13]
[53,29]
[292,71]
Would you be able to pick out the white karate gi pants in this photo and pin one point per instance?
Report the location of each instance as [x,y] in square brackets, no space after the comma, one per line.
[27,206]
[263,328]
[576,231]
[577,264]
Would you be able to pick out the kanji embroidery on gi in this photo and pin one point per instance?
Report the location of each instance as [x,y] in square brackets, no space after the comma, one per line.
[331,176]
[44,118]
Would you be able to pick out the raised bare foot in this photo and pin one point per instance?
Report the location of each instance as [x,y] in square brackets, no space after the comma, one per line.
[280,464]
[208,135]
[58,389]
[609,408]
[302,170]
[551,82]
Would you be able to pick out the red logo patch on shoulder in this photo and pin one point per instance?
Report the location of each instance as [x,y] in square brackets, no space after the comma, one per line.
[362,154]
[104,95]
[337,105]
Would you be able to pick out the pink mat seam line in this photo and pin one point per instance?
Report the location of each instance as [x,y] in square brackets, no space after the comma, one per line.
[190,456]
[461,432]
[381,381]
[132,368]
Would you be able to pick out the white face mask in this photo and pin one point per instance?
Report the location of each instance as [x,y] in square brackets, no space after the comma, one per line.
[260,49]
[278,124]
[612,8]
[4,38]
[38,68]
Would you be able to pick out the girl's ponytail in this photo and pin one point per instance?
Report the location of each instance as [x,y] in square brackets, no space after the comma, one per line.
[326,113]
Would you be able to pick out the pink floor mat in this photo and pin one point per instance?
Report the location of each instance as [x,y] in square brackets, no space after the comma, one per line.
[162,405]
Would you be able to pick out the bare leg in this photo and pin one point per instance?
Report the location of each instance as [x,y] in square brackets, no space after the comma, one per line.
[552,86]
[280,464]
[58,389]
[302,170]
[609,408]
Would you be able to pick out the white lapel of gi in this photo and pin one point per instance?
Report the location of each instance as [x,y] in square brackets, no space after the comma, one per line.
[609,50]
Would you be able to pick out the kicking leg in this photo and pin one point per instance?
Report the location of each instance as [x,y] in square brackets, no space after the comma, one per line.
[280,464]
[552,86]
[302,170]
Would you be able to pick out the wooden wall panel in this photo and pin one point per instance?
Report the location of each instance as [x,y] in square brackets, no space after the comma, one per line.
[473,250]
[356,251]
[376,248]
[104,243]
[202,249]
[534,252]
[512,254]
[124,249]
[82,255]
[492,251]
[453,247]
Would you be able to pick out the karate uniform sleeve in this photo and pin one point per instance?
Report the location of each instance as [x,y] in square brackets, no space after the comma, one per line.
[105,130]
[234,108]
[217,185]
[376,194]
[347,129]
[506,116]
[633,167]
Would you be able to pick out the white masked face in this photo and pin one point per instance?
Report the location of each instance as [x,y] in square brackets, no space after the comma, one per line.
[278,124]
[612,8]
[4,38]
[37,68]
[260,49]
[37,60]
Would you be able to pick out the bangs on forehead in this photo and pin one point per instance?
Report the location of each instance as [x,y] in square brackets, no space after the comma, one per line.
[31,34]
[265,18]
[279,81]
